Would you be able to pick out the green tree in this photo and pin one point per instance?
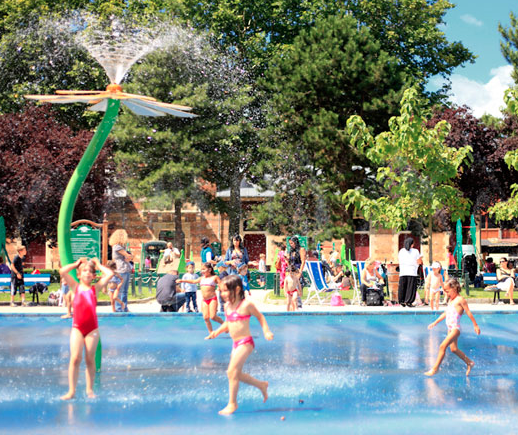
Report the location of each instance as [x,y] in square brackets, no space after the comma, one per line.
[415,169]
[169,160]
[260,30]
[508,210]
[333,70]
[509,46]
[411,31]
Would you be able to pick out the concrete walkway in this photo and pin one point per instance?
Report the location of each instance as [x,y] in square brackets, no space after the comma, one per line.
[265,306]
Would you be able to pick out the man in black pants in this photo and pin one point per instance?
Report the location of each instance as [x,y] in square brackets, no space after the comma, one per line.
[167,294]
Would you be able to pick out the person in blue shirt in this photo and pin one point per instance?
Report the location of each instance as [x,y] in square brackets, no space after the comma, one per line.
[243,273]
[207,256]
[236,255]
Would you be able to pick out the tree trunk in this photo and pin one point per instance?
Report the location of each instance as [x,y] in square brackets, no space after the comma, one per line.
[179,236]
[430,232]
[234,215]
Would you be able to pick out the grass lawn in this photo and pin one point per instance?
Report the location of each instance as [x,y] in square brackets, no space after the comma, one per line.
[473,294]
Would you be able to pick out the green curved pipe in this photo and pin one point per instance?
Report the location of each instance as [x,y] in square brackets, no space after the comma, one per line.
[68,202]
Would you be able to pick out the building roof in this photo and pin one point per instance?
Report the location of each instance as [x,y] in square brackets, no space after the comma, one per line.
[247,191]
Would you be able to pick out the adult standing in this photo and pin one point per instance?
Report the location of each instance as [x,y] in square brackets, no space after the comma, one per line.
[297,258]
[452,261]
[409,261]
[122,259]
[207,255]
[236,255]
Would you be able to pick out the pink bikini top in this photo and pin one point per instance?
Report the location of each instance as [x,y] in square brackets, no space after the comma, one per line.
[234,316]
[208,282]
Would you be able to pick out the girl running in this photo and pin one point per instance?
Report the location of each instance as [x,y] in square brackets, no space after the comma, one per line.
[208,283]
[456,307]
[238,311]
[85,333]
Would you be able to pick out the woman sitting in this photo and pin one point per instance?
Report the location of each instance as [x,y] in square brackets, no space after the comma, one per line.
[505,276]
[371,279]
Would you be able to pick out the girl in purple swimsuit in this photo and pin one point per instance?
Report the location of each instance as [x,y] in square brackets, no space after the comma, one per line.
[238,311]
[456,307]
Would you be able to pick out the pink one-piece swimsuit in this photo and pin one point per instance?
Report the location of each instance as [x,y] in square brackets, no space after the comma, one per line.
[85,316]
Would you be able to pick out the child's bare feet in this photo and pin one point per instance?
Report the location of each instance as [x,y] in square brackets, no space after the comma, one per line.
[264,390]
[470,365]
[68,396]
[91,395]
[430,372]
[66,316]
[229,409]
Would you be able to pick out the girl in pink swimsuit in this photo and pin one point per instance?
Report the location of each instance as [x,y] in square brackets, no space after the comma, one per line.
[238,311]
[456,307]
[208,283]
[85,333]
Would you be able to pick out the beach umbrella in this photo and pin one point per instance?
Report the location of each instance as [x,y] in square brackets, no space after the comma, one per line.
[2,239]
[458,248]
[473,232]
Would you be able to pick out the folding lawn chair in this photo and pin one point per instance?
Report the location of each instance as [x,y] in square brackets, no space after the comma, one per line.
[318,287]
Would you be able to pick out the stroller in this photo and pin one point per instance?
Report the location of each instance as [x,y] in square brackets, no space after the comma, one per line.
[35,290]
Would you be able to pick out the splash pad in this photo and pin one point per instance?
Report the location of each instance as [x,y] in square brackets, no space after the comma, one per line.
[328,374]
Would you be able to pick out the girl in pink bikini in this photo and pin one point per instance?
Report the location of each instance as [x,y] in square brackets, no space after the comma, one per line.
[456,307]
[85,332]
[238,311]
[208,283]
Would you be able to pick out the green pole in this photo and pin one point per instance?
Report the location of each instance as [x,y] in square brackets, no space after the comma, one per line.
[98,356]
[68,202]
[76,182]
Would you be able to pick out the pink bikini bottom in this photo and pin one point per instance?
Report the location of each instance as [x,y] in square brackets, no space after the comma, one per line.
[246,340]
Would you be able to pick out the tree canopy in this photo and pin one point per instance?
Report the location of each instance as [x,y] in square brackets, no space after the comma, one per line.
[415,169]
[332,71]
[38,155]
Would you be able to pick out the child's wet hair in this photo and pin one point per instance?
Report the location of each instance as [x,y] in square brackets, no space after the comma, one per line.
[232,284]
[112,265]
[209,267]
[452,283]
[291,268]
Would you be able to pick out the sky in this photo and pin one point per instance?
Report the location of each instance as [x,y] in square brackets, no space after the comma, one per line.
[481,85]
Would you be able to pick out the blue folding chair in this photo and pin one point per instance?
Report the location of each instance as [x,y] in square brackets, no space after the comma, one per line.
[318,287]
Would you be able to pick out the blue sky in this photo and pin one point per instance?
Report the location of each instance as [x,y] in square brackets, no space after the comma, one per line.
[475,24]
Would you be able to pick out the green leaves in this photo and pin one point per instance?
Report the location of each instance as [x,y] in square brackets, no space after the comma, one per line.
[508,210]
[415,168]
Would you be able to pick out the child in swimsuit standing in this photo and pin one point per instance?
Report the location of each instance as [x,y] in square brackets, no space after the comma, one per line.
[85,332]
[456,307]
[114,286]
[292,288]
[238,311]
[208,283]
[434,284]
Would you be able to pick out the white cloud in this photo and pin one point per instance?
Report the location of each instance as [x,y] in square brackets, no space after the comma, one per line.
[470,19]
[482,97]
